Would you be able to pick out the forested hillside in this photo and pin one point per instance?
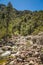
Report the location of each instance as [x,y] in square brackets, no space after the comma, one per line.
[17,22]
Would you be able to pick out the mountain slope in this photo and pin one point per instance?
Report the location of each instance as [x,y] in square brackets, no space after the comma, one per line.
[21,22]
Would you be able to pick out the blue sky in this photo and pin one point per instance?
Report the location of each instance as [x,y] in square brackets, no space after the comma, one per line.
[25,4]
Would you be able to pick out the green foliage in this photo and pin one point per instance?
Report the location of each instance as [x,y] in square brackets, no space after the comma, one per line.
[19,22]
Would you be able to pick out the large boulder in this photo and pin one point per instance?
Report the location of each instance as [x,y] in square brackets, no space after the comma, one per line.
[5,54]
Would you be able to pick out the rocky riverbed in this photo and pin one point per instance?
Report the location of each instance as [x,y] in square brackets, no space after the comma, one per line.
[22,50]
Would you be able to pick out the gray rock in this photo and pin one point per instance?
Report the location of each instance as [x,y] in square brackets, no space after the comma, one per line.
[34,46]
[11,63]
[30,53]
[7,53]
[19,60]
[1,51]
[31,63]
[36,54]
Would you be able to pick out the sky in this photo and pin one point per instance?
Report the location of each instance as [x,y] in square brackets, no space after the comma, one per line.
[25,4]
